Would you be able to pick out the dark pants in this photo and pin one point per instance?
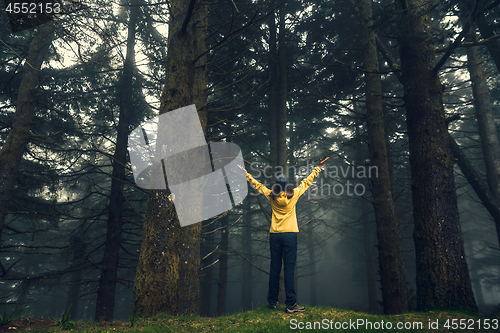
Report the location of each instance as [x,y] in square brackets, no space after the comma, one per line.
[283,247]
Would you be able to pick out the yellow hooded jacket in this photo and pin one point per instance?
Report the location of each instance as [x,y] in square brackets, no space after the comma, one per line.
[284,216]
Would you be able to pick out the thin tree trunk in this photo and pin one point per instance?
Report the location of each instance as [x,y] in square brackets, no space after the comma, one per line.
[19,136]
[273,96]
[223,260]
[475,180]
[368,236]
[282,109]
[246,271]
[207,272]
[168,272]
[281,158]
[371,280]
[277,115]
[392,276]
[442,274]
[312,262]
[486,124]
[105,302]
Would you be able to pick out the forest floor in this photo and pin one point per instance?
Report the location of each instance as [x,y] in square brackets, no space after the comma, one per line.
[315,319]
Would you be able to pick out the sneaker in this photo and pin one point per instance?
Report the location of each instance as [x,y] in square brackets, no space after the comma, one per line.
[272,305]
[294,308]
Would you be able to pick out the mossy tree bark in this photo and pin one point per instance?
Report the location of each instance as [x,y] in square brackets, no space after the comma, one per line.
[392,277]
[105,302]
[19,136]
[442,274]
[168,273]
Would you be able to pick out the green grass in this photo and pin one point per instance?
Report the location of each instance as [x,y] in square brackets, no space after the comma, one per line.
[265,320]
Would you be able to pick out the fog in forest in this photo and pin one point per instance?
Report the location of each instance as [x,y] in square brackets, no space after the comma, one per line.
[288,83]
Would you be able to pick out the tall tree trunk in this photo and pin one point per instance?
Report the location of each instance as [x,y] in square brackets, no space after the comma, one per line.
[105,302]
[369,235]
[486,124]
[442,274]
[223,259]
[224,246]
[246,271]
[19,136]
[168,271]
[392,276]
[282,109]
[273,104]
[277,108]
[277,94]
[281,161]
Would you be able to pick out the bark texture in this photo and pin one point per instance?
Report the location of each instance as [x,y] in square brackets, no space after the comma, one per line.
[442,274]
[392,277]
[168,272]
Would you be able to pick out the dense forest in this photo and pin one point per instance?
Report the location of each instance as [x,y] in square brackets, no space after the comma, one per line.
[403,96]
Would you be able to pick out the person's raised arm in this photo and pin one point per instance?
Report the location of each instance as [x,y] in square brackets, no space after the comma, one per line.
[243,169]
[321,163]
[304,185]
[258,186]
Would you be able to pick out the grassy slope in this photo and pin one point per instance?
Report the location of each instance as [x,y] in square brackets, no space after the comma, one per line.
[265,320]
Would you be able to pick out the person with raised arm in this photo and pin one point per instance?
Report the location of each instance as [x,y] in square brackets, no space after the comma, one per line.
[283,233]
